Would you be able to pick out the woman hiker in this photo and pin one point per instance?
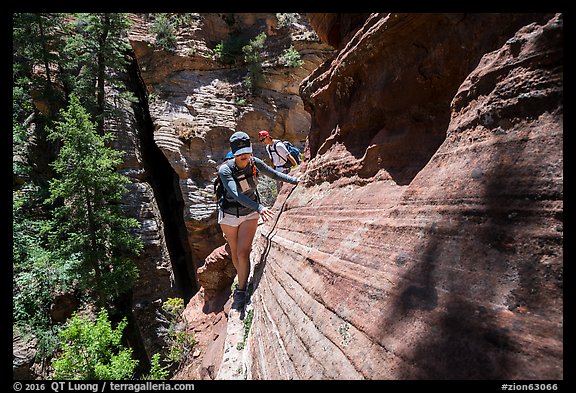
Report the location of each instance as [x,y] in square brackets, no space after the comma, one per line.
[240,207]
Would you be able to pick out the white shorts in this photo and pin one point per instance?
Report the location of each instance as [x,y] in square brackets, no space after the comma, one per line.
[232,220]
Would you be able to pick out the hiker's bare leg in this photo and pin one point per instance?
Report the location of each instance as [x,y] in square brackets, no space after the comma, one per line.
[246,232]
[231,235]
[240,240]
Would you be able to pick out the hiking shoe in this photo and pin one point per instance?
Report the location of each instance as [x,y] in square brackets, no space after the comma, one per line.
[239,299]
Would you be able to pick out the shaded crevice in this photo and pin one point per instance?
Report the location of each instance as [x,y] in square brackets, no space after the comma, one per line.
[165,185]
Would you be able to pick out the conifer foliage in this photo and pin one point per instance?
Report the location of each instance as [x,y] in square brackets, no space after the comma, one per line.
[88,222]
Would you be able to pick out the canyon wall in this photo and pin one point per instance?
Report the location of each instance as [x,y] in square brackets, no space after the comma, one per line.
[196,101]
[192,101]
[426,240]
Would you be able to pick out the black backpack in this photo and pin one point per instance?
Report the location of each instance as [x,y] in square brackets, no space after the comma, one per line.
[220,190]
[293,150]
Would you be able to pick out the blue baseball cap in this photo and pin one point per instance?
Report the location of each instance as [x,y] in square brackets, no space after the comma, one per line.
[240,143]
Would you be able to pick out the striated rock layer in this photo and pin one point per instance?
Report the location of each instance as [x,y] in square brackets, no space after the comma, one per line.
[426,241]
[196,101]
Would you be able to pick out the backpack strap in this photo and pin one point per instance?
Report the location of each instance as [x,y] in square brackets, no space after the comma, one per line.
[231,164]
[276,151]
[269,151]
[219,186]
[255,173]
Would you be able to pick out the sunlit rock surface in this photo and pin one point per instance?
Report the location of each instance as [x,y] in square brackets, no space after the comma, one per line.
[426,240]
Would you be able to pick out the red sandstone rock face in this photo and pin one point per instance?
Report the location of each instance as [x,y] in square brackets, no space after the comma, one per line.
[426,240]
[215,276]
[208,328]
[207,318]
[336,29]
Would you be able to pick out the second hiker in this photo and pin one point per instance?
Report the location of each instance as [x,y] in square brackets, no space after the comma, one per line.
[278,153]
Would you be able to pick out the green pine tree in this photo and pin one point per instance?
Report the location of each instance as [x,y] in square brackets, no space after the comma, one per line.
[37,39]
[98,52]
[88,222]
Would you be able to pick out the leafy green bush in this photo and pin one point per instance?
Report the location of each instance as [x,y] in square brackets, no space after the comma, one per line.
[157,372]
[93,350]
[290,57]
[163,30]
[253,50]
[38,273]
[228,51]
[254,57]
[182,20]
[179,341]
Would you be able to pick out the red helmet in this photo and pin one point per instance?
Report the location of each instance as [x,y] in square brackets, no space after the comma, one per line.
[263,134]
